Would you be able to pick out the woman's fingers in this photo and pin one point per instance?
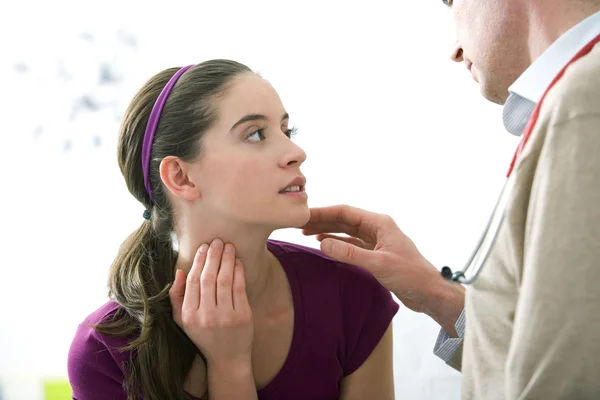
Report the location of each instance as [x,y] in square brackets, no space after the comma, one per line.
[240,299]
[177,294]
[208,279]
[225,278]
[215,312]
[191,300]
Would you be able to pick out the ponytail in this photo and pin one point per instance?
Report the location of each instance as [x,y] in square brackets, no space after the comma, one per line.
[161,354]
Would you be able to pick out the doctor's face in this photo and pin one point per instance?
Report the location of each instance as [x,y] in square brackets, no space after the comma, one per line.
[491,42]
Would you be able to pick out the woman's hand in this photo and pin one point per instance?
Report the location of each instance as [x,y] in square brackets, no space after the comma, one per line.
[212,308]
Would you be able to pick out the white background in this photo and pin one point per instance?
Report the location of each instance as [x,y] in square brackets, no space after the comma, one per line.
[389,123]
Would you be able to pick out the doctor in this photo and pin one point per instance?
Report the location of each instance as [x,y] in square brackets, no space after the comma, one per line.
[531,317]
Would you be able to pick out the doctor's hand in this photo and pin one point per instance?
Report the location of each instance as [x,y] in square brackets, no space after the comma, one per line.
[376,244]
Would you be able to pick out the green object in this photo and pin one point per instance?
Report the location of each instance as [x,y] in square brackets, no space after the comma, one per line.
[57,389]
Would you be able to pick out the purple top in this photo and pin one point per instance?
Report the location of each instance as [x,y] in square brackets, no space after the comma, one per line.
[341,313]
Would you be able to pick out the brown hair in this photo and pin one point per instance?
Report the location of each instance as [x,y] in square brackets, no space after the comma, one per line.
[144,269]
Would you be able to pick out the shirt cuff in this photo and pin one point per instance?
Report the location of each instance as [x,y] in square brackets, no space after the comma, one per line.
[445,346]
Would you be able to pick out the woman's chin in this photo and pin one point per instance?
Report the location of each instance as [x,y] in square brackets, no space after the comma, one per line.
[294,219]
[301,218]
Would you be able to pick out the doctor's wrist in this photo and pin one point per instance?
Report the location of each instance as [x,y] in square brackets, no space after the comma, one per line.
[446,302]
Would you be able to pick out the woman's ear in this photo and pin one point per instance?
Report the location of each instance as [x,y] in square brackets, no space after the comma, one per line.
[175,175]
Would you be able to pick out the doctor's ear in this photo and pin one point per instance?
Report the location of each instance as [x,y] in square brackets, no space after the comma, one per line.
[175,175]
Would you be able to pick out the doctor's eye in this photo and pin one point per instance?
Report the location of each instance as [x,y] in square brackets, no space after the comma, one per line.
[448,2]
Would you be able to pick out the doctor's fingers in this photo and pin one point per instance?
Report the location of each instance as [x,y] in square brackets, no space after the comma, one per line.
[348,253]
[344,219]
[352,240]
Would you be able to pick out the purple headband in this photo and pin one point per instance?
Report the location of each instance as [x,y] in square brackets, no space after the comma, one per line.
[151,127]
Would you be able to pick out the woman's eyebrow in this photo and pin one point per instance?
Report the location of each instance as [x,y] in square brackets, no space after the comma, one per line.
[255,117]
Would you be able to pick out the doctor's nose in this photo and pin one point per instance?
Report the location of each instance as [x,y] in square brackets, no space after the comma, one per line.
[457,54]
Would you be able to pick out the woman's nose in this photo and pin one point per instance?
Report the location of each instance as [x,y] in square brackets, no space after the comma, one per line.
[294,155]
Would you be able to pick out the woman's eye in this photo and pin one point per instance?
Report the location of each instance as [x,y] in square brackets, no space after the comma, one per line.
[256,136]
[291,132]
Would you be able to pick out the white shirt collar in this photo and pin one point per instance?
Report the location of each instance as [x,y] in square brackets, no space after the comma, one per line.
[535,80]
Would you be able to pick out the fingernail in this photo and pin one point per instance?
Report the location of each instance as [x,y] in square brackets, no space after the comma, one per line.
[327,246]
[203,248]
[228,248]
[217,243]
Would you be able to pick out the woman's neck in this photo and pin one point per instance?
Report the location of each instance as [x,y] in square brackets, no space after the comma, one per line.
[250,247]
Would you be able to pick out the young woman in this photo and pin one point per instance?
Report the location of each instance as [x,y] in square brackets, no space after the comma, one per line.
[202,303]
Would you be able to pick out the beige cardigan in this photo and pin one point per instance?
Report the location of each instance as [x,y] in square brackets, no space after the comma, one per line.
[533,315]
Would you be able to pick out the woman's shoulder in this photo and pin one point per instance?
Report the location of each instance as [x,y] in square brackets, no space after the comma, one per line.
[313,261]
[287,249]
[94,357]
[106,313]
[345,298]
[87,335]
[102,314]
[88,340]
